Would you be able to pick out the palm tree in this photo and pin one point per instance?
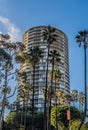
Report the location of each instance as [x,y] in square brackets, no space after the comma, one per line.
[34,54]
[67,99]
[81,99]
[82,38]
[60,95]
[31,58]
[24,89]
[57,76]
[54,58]
[49,36]
[74,96]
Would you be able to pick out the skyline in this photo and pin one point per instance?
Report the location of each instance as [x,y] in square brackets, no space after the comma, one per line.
[70,17]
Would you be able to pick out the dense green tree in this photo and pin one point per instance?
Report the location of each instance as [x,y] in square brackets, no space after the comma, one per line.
[75,124]
[62,116]
[82,38]
[12,121]
[85,126]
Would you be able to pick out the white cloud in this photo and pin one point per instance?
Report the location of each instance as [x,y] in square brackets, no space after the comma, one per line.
[11,29]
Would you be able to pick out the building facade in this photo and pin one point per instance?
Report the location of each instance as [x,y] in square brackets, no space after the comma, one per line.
[33,37]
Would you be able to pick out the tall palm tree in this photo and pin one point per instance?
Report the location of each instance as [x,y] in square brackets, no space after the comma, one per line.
[49,36]
[22,57]
[34,54]
[31,58]
[54,58]
[57,76]
[82,38]
[24,89]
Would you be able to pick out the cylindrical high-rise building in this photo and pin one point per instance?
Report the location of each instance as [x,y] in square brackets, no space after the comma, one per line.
[33,37]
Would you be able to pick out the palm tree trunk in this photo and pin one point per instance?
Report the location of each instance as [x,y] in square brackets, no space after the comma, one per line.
[26,110]
[56,106]
[45,110]
[25,116]
[33,97]
[82,108]
[85,78]
[21,120]
[51,93]
[85,85]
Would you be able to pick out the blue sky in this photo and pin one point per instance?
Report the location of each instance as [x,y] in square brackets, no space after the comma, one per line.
[70,16]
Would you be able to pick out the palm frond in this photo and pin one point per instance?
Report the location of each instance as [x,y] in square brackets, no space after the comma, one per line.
[82,38]
[49,34]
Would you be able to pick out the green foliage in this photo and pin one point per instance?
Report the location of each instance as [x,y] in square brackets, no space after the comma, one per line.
[49,34]
[7,71]
[75,125]
[85,126]
[81,98]
[74,95]
[75,113]
[6,90]
[13,120]
[4,55]
[56,74]
[62,116]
